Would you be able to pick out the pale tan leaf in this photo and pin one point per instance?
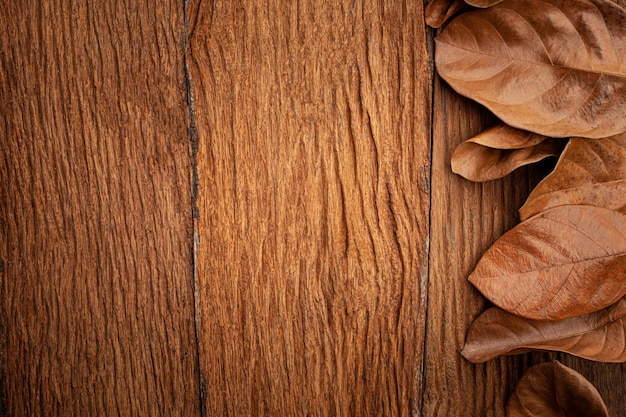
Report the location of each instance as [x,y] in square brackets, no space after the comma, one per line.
[499,150]
[590,172]
[554,390]
[564,262]
[597,336]
[552,67]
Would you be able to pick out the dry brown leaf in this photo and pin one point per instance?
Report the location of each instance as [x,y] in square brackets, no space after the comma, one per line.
[554,390]
[565,262]
[439,12]
[597,336]
[500,150]
[483,3]
[590,172]
[553,67]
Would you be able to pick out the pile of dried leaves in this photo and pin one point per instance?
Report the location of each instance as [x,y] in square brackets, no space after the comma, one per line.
[554,72]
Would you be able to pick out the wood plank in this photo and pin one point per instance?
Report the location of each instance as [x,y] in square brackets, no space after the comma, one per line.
[97,311]
[466,219]
[313,154]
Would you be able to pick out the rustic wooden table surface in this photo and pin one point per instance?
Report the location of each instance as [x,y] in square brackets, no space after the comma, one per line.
[242,208]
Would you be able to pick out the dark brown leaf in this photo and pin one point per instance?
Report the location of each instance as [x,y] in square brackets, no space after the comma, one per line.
[565,262]
[597,336]
[483,3]
[554,390]
[590,172]
[552,67]
[499,150]
[439,12]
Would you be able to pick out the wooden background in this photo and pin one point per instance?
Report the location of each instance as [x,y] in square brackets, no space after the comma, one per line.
[242,208]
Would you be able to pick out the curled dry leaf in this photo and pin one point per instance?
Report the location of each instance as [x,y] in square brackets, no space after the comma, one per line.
[565,262]
[483,3]
[553,389]
[552,67]
[439,12]
[499,150]
[590,172]
[598,336]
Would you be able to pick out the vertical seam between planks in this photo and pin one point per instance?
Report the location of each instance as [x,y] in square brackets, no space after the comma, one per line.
[3,397]
[193,142]
[431,67]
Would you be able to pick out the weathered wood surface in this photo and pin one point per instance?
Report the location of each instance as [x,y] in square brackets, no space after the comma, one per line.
[97,310]
[313,155]
[332,242]
[466,218]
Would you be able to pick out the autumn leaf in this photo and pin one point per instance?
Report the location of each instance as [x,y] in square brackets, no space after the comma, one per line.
[483,3]
[439,12]
[554,390]
[598,336]
[590,172]
[552,67]
[565,262]
[499,150]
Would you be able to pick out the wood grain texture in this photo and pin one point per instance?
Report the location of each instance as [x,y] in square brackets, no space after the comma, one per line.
[331,255]
[314,132]
[466,218]
[97,311]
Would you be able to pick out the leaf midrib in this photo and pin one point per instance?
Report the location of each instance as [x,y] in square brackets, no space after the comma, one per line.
[550,65]
[516,274]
